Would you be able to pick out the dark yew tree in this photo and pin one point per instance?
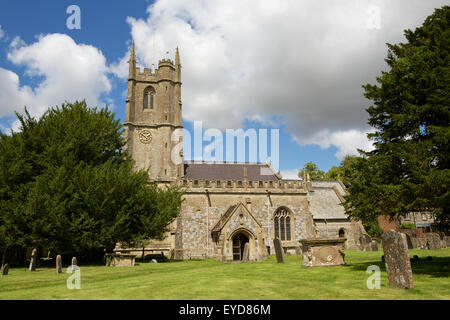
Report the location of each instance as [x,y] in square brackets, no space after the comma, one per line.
[67,184]
[409,168]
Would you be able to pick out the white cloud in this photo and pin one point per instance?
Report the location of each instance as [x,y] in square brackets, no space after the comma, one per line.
[301,62]
[291,174]
[63,69]
[347,142]
[2,33]
[17,42]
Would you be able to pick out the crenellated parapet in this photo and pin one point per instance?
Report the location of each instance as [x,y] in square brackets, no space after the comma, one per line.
[242,186]
[166,63]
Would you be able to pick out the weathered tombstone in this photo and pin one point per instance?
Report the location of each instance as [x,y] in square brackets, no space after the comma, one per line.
[447,240]
[245,254]
[74,264]
[398,264]
[374,245]
[433,241]
[321,252]
[365,242]
[154,261]
[33,260]
[5,269]
[278,250]
[120,260]
[409,242]
[58,264]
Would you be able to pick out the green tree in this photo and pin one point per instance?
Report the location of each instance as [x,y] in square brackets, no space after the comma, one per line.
[67,184]
[345,171]
[409,168]
[314,172]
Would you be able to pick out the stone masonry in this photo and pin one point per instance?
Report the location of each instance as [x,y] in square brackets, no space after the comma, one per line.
[227,206]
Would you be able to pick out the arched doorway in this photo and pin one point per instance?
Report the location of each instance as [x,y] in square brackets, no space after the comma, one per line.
[239,241]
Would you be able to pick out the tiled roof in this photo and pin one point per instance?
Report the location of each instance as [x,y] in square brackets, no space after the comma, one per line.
[228,171]
[324,202]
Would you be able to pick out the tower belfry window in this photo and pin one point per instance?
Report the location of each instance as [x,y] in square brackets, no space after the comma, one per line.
[149,98]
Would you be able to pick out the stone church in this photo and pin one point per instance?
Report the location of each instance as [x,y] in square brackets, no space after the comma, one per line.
[226,205]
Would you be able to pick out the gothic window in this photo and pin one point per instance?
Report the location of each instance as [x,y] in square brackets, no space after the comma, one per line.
[149,98]
[282,225]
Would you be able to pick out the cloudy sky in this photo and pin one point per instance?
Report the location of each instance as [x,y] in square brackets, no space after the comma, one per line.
[296,66]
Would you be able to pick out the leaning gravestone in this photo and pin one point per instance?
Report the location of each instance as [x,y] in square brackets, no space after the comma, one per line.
[32,266]
[245,255]
[58,264]
[5,269]
[398,264]
[278,250]
[408,241]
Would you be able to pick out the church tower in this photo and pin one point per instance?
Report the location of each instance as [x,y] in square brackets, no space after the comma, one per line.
[153,125]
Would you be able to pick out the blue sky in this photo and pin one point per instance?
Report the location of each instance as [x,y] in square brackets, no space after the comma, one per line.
[294,66]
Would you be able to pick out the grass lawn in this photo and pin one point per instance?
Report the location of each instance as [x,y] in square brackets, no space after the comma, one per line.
[210,280]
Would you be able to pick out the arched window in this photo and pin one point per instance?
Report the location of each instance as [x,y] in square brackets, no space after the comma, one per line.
[149,98]
[282,224]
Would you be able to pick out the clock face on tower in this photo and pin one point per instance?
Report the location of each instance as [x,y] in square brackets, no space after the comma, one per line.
[145,136]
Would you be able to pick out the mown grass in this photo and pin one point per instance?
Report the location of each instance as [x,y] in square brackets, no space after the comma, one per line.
[211,280]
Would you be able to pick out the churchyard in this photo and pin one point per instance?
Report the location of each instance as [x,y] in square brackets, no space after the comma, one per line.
[210,280]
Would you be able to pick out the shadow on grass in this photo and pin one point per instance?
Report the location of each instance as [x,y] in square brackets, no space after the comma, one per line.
[438,267]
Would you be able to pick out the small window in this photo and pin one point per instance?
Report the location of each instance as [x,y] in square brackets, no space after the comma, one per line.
[149,98]
[424,216]
[407,217]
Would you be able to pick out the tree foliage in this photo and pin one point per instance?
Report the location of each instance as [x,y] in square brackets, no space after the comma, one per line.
[313,171]
[67,184]
[409,168]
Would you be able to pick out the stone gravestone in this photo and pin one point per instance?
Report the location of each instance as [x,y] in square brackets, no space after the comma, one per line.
[245,255]
[398,264]
[58,264]
[374,245]
[365,242]
[278,250]
[433,241]
[321,252]
[408,241]
[74,265]
[32,266]
[5,269]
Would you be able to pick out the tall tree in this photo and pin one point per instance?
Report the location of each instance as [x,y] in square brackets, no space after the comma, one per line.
[314,172]
[409,168]
[67,183]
